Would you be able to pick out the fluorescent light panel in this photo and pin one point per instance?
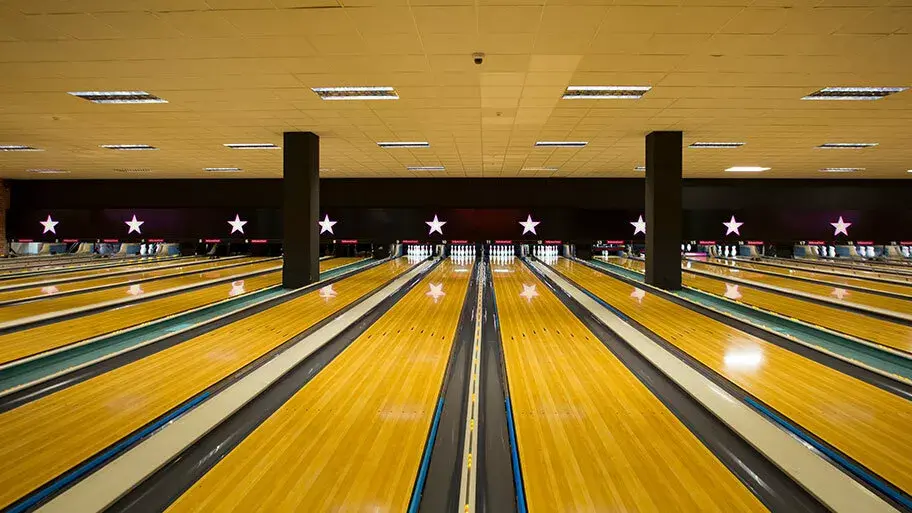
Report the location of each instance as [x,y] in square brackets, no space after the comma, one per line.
[853,93]
[841,169]
[48,171]
[426,168]
[118,97]
[18,147]
[747,169]
[356,93]
[223,169]
[552,169]
[561,144]
[717,145]
[640,168]
[134,171]
[605,92]
[846,146]
[128,147]
[404,144]
[252,146]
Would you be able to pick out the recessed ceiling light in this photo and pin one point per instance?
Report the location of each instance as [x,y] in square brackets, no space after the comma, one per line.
[134,171]
[128,147]
[846,146]
[853,93]
[640,168]
[747,169]
[841,169]
[717,145]
[605,92]
[18,147]
[252,146]
[551,169]
[223,169]
[356,93]
[404,144]
[561,144]
[426,168]
[118,97]
[48,171]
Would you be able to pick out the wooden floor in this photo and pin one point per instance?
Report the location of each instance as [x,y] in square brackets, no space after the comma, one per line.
[42,439]
[27,342]
[94,268]
[865,422]
[352,438]
[866,327]
[52,264]
[835,281]
[45,291]
[858,267]
[591,436]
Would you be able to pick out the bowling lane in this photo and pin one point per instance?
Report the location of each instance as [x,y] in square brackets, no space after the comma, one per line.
[854,266]
[352,438]
[848,280]
[807,265]
[43,291]
[866,327]
[832,292]
[868,424]
[95,267]
[44,438]
[591,436]
[62,303]
[27,342]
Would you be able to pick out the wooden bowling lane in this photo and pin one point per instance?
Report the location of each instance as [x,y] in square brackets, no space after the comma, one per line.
[591,436]
[44,291]
[868,424]
[352,438]
[832,292]
[95,267]
[863,326]
[846,279]
[27,342]
[74,262]
[811,266]
[852,266]
[58,304]
[42,439]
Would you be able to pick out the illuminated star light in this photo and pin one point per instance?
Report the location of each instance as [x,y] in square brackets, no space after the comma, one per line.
[732,292]
[841,227]
[134,225]
[528,292]
[435,226]
[732,226]
[327,293]
[49,225]
[436,291]
[638,294]
[529,225]
[326,225]
[237,225]
[840,293]
[639,226]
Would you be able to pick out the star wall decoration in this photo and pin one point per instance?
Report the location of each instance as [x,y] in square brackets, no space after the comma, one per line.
[733,226]
[49,225]
[529,225]
[326,225]
[841,226]
[134,225]
[435,226]
[237,225]
[639,226]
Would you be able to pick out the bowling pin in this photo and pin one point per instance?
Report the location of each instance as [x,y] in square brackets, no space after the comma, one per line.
[688,247]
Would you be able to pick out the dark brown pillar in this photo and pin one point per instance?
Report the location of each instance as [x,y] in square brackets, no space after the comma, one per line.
[300,209]
[663,209]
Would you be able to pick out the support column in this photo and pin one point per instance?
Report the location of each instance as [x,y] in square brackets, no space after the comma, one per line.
[663,209]
[300,209]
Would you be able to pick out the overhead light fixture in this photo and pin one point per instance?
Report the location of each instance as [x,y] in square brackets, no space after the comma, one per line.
[128,147]
[841,169]
[853,93]
[717,145]
[118,97]
[846,146]
[48,171]
[18,147]
[561,144]
[356,93]
[550,169]
[134,171]
[426,168]
[640,168]
[404,144]
[605,92]
[747,169]
[252,146]
[222,169]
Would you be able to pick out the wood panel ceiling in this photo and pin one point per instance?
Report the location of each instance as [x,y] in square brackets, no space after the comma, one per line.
[240,71]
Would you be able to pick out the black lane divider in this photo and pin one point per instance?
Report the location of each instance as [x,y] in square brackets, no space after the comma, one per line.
[496,489]
[440,490]
[84,468]
[228,265]
[885,383]
[776,490]
[63,381]
[167,484]
[860,473]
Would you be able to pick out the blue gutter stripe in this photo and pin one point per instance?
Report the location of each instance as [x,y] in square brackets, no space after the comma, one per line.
[514,452]
[62,482]
[857,470]
[426,459]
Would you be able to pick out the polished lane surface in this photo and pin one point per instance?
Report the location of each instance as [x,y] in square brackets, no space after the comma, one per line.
[867,423]
[44,438]
[51,264]
[779,263]
[591,436]
[352,438]
[853,266]
[46,291]
[866,327]
[31,341]
[18,311]
[97,267]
